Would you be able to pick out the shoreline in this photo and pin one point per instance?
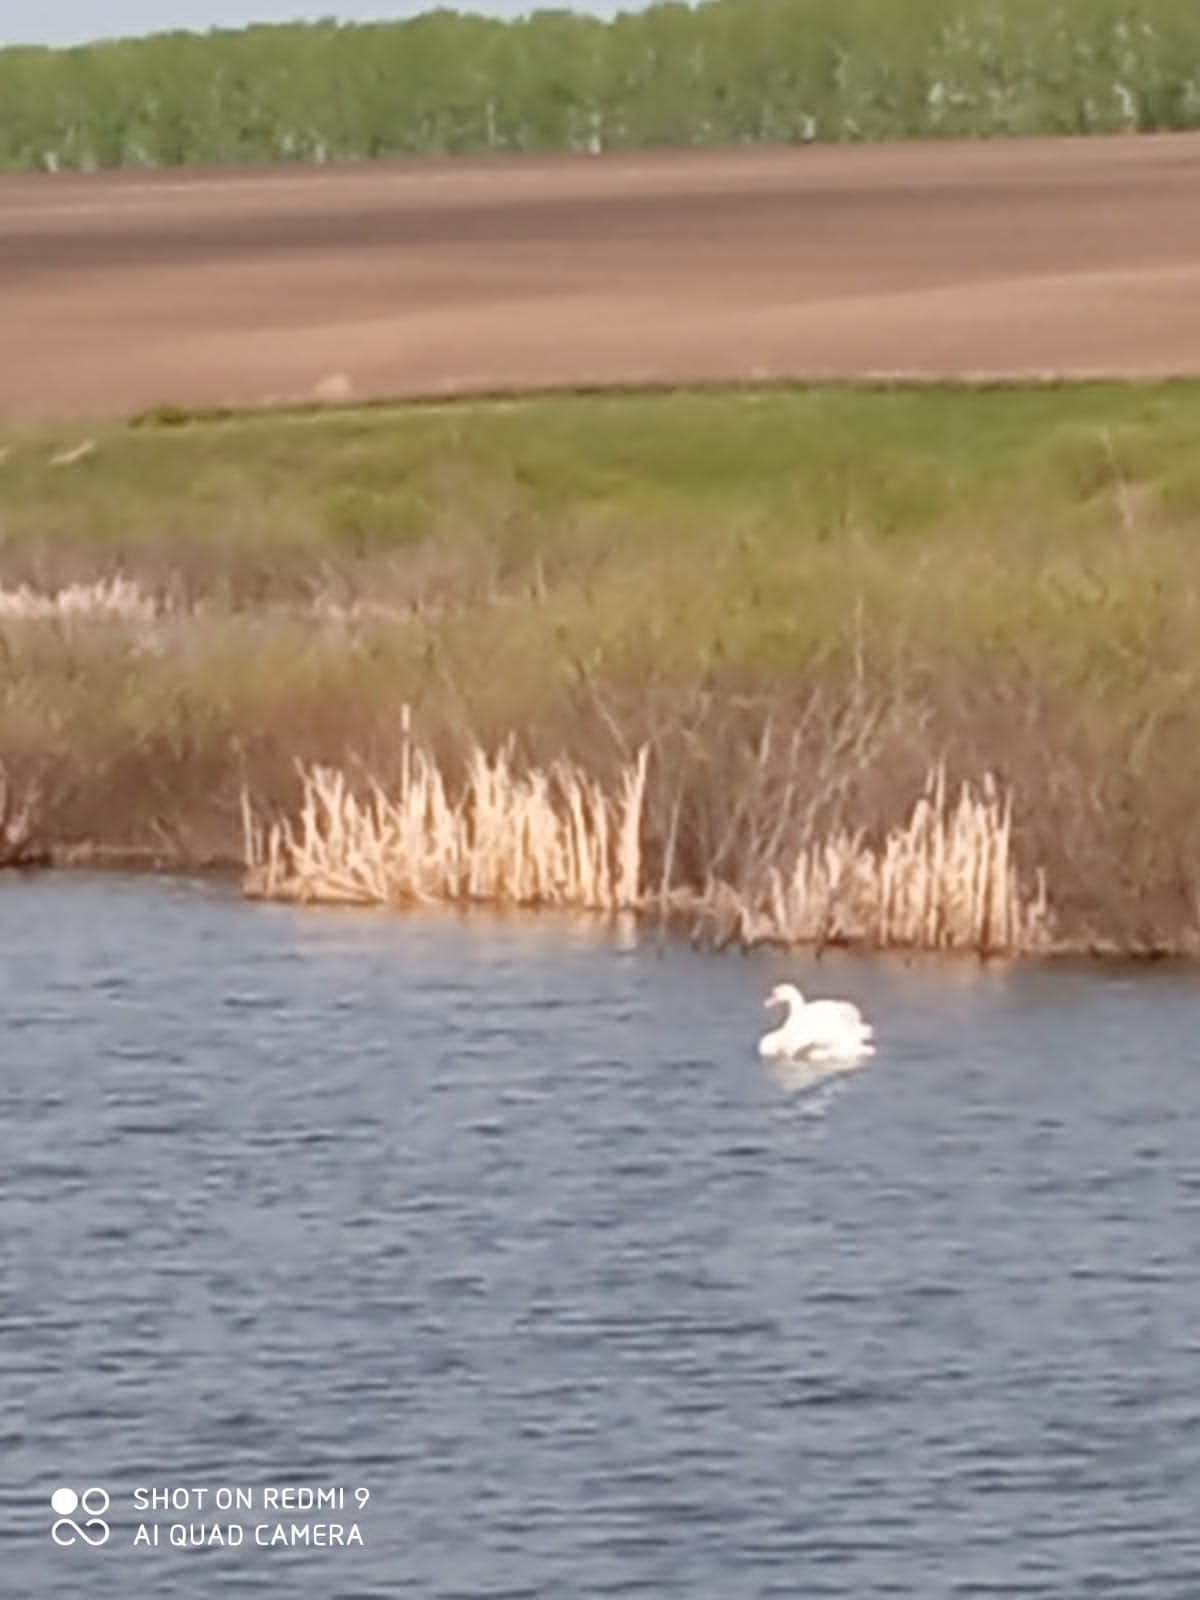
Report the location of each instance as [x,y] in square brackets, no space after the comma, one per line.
[801,599]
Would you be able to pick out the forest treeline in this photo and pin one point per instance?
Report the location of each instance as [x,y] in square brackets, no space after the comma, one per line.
[724,72]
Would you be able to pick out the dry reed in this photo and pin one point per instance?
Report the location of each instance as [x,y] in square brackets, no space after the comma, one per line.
[19,842]
[538,838]
[946,879]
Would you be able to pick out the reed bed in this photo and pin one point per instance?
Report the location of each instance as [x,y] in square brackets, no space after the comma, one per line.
[510,838]
[945,879]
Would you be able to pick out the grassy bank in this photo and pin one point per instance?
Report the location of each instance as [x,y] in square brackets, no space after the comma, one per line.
[799,601]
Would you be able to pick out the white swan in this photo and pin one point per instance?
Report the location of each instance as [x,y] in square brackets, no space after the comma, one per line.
[821,1030]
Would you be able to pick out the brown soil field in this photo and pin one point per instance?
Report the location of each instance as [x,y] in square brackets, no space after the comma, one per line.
[1014,259]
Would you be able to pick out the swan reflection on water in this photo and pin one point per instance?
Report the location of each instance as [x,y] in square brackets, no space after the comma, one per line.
[813,1081]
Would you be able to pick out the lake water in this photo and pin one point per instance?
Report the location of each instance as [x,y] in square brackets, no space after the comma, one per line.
[504,1223]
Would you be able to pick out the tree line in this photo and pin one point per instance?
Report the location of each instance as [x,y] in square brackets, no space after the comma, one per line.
[722,72]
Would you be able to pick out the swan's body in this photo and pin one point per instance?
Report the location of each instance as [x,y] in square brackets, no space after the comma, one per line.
[819,1030]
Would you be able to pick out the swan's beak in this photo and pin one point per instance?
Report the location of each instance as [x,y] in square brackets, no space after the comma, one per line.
[770,1002]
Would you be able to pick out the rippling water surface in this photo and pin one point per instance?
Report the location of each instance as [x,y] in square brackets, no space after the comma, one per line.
[505,1223]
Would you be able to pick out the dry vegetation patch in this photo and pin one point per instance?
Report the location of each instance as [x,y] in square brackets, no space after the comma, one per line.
[21,843]
[944,879]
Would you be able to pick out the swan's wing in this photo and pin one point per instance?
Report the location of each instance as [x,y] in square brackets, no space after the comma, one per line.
[837,1026]
[839,1016]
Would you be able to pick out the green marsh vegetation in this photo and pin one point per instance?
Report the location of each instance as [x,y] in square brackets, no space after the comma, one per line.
[800,599]
[724,72]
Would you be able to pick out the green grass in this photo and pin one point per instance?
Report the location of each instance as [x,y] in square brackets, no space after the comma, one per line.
[658,532]
[1008,575]
[535,478]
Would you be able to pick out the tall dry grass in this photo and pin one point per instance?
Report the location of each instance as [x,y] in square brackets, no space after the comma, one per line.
[944,879]
[20,807]
[533,838]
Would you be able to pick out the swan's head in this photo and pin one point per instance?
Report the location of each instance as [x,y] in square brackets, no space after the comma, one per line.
[783,994]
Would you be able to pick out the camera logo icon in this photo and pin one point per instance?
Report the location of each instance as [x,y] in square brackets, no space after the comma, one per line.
[93,1529]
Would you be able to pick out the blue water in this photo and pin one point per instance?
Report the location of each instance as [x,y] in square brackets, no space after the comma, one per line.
[505,1223]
